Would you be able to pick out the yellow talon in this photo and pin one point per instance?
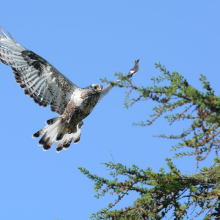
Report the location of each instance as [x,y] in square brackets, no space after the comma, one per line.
[70,130]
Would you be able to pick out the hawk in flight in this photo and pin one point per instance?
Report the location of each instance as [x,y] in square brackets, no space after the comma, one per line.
[47,86]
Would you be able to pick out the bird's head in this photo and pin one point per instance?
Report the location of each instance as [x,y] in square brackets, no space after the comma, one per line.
[97,87]
[137,61]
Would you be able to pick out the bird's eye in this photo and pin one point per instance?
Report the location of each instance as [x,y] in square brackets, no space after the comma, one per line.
[95,87]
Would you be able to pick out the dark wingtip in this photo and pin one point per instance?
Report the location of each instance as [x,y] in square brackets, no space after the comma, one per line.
[36,135]
[18,79]
[76,140]
[46,147]
[4,62]
[36,100]
[26,92]
[22,86]
[66,145]
[45,142]
[59,137]
[50,121]
[59,149]
[41,142]
[14,69]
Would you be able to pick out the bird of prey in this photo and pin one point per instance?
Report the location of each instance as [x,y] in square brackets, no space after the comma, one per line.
[47,86]
[134,70]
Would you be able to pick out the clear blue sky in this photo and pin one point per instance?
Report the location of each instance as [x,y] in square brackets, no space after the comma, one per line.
[88,40]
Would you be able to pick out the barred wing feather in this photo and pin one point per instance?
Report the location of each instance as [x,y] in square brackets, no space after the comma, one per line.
[39,79]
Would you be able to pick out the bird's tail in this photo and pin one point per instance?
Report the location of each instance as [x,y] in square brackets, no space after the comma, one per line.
[56,130]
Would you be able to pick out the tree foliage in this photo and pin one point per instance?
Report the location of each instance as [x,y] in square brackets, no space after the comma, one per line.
[172,192]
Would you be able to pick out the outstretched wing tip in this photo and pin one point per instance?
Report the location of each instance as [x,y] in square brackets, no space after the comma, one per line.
[12,37]
[5,35]
[41,81]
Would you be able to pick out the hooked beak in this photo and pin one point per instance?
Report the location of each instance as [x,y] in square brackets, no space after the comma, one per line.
[99,89]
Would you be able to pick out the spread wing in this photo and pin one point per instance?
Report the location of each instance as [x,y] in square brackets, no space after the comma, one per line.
[39,79]
[106,90]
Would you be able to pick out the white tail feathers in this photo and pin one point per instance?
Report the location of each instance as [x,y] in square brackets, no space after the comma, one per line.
[50,134]
[56,131]
[67,138]
[65,142]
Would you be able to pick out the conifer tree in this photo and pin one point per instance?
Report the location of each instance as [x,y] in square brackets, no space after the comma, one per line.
[170,193]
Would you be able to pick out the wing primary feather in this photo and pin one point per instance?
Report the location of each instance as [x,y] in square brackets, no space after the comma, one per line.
[41,80]
[40,88]
[3,33]
[33,92]
[12,38]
